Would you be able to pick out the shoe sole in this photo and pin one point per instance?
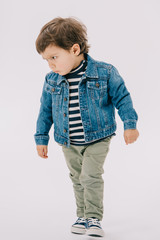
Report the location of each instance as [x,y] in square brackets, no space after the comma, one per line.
[78,230]
[95,232]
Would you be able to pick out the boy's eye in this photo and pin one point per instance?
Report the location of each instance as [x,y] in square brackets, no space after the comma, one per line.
[54,57]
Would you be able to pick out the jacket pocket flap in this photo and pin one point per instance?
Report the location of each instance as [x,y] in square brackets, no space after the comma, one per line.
[97,85]
[53,89]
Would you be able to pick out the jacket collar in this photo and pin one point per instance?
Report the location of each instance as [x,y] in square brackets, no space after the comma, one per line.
[91,71]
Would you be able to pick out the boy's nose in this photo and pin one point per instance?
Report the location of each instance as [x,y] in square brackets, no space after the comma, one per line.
[51,65]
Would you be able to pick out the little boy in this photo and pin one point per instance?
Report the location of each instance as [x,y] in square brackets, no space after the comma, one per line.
[79,97]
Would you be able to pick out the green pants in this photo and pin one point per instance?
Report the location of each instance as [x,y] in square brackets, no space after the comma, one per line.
[85,164]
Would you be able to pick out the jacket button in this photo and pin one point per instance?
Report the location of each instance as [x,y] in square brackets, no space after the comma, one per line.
[64,114]
[97,84]
[53,89]
[65,143]
[65,130]
[65,99]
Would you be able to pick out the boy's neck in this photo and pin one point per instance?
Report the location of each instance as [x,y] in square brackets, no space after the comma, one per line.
[78,61]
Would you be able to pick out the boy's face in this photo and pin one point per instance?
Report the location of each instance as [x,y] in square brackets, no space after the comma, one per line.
[62,61]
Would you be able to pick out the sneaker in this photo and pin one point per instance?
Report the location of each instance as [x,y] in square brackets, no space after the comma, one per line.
[79,226]
[94,228]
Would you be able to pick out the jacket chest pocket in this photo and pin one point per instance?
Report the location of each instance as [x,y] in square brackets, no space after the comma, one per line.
[55,91]
[96,89]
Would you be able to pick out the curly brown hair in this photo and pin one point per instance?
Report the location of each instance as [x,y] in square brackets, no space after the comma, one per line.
[63,32]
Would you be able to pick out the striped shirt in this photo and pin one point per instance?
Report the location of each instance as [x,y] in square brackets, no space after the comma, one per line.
[76,131]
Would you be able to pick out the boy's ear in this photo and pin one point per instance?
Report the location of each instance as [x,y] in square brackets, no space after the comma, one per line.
[76,49]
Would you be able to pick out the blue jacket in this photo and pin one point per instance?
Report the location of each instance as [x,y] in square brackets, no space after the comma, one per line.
[101,90]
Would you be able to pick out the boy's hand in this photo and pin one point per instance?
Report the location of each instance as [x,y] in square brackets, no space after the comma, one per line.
[42,151]
[130,135]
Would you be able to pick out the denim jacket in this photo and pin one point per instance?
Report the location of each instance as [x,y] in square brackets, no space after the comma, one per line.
[101,90]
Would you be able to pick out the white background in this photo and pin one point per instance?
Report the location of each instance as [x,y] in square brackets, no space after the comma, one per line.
[36,195]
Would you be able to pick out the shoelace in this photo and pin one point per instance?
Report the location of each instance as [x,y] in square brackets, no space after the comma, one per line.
[80,220]
[93,221]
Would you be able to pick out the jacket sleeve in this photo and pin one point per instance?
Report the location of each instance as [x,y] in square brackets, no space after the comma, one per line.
[45,120]
[121,99]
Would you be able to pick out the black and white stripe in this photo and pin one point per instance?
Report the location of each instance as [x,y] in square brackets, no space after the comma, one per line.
[76,132]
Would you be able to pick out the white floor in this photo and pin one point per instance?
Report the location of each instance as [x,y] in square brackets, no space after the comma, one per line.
[42,223]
